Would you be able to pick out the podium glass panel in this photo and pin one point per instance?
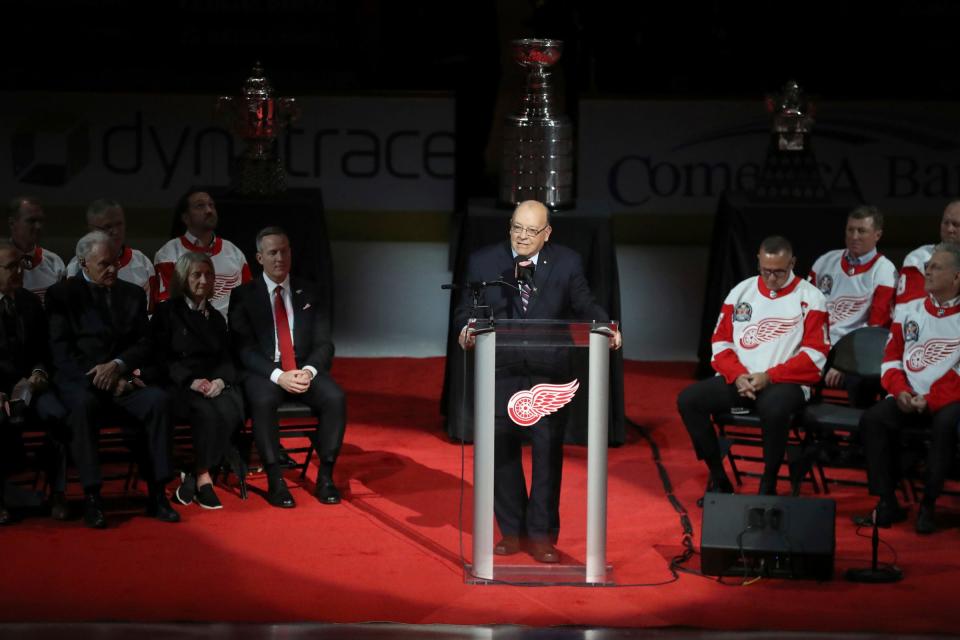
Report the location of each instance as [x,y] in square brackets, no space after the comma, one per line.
[526,373]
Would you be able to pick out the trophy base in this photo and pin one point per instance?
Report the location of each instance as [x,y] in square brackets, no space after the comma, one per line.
[541,574]
[260,177]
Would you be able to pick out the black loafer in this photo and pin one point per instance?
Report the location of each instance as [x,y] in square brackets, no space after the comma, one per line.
[160,509]
[280,497]
[5,517]
[327,492]
[887,514]
[926,523]
[93,515]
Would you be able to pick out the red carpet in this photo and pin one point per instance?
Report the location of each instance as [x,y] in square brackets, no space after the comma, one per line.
[391,551]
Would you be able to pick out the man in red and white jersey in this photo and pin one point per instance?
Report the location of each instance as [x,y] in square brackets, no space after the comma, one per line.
[199,214]
[911,283]
[133,266]
[770,345]
[921,372]
[42,267]
[858,283]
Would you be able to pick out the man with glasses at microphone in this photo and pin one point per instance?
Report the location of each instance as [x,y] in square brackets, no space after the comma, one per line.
[550,284]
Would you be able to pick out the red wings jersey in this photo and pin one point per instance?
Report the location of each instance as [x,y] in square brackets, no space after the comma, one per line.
[922,355]
[46,268]
[857,296]
[229,265]
[910,285]
[781,332]
[135,268]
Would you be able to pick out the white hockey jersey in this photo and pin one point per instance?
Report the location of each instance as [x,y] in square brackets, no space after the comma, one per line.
[781,332]
[857,296]
[45,268]
[922,355]
[910,285]
[229,265]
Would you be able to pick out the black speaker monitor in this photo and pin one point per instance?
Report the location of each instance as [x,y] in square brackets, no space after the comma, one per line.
[773,536]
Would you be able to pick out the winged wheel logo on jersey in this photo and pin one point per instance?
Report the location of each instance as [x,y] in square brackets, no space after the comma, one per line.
[930,353]
[845,307]
[767,330]
[222,285]
[526,408]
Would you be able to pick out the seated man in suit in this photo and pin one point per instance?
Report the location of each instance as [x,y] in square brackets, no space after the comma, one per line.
[23,362]
[283,340]
[769,346]
[921,372]
[99,338]
[559,290]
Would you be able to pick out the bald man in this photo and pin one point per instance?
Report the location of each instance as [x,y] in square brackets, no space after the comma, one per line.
[558,290]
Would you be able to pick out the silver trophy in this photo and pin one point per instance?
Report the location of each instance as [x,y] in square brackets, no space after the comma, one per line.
[537,161]
[258,117]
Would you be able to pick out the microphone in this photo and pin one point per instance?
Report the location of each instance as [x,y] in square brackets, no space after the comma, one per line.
[524,272]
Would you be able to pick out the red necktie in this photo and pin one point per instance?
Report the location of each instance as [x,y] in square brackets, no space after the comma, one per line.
[288,361]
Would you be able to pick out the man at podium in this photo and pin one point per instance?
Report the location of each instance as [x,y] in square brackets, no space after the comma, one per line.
[541,281]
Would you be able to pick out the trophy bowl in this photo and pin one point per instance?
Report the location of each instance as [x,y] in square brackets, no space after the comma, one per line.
[537,53]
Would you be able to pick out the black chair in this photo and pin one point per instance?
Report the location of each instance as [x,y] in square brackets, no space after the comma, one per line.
[296,421]
[832,424]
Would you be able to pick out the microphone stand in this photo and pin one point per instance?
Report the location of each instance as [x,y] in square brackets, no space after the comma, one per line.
[875,574]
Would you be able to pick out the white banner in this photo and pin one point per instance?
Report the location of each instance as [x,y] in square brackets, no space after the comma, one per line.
[366,153]
[678,157]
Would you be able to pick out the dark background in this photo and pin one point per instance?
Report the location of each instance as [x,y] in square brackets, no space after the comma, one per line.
[743,50]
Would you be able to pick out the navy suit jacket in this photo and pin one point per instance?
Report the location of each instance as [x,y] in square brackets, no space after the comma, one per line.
[562,292]
[83,333]
[251,323]
[33,350]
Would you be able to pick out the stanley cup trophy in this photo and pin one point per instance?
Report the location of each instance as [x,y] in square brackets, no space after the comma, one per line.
[537,159]
[790,171]
[258,117]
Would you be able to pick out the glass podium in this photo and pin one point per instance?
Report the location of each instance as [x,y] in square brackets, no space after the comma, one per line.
[524,371]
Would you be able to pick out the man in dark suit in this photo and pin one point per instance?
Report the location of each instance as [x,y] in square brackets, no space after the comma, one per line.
[558,290]
[282,335]
[99,338]
[23,363]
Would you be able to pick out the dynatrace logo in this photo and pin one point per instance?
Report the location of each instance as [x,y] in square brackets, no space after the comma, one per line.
[50,149]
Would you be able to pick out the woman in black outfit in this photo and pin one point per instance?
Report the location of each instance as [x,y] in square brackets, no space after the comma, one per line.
[192,345]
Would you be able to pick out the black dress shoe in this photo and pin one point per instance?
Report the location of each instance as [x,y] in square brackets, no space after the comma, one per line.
[159,507]
[93,512]
[926,524]
[327,492]
[5,517]
[280,496]
[59,509]
[543,551]
[507,546]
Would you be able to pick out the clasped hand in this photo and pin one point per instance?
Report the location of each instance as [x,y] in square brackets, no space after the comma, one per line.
[295,380]
[750,384]
[909,403]
[105,375]
[209,388]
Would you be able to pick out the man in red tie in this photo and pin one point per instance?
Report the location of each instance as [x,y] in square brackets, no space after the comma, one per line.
[282,334]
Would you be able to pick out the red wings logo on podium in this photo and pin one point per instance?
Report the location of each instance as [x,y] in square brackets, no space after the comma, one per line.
[930,353]
[767,331]
[845,307]
[526,408]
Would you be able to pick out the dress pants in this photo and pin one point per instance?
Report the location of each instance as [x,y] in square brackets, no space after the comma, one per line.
[213,422]
[775,405]
[324,396]
[146,411]
[881,425]
[537,515]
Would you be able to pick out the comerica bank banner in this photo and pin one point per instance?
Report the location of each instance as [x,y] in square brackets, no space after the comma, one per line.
[366,153]
[678,157]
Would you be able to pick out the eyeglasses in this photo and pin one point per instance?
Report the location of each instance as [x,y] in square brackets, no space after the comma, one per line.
[774,273]
[519,230]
